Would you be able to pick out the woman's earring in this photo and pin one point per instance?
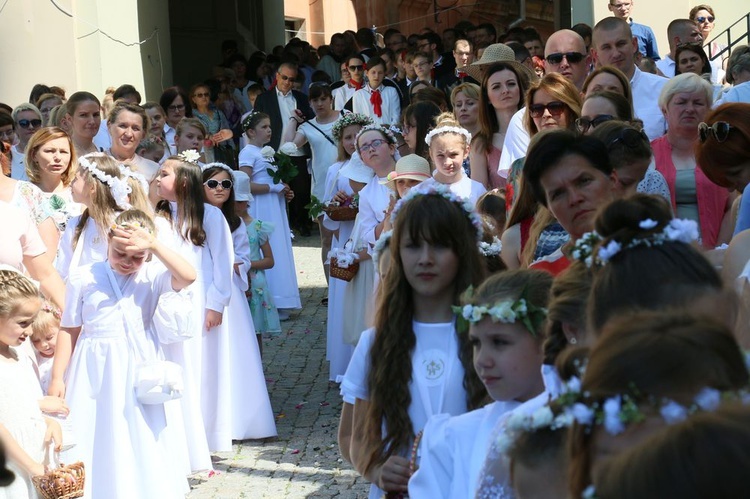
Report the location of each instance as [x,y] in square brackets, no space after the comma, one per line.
[573,341]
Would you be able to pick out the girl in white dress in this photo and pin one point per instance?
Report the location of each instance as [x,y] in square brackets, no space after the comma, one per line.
[379,102]
[22,425]
[200,234]
[109,304]
[252,415]
[270,206]
[413,364]
[507,351]
[449,147]
[344,180]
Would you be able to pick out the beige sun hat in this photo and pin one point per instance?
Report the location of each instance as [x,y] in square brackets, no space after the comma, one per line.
[411,166]
[498,52]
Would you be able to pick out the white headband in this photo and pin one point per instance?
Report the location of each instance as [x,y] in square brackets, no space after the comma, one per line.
[218,165]
[124,170]
[119,188]
[447,129]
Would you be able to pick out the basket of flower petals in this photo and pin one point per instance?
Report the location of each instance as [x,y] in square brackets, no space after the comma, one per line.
[343,212]
[65,482]
[343,263]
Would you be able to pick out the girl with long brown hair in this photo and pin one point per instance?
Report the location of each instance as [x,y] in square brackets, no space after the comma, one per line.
[413,364]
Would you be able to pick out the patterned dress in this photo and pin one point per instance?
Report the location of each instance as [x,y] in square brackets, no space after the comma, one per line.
[262,308]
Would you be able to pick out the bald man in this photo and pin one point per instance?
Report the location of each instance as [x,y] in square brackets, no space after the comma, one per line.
[565,53]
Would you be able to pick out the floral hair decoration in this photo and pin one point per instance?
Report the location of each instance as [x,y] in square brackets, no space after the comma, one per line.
[504,311]
[677,230]
[248,119]
[48,307]
[130,226]
[347,120]
[217,165]
[380,128]
[447,129]
[435,189]
[491,249]
[380,246]
[128,172]
[190,156]
[118,187]
[544,418]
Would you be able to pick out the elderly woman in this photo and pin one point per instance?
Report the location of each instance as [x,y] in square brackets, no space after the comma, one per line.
[50,157]
[738,74]
[27,119]
[551,103]
[685,100]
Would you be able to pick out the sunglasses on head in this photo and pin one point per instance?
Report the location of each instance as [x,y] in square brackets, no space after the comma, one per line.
[555,108]
[29,123]
[583,123]
[720,131]
[629,137]
[213,183]
[703,19]
[572,57]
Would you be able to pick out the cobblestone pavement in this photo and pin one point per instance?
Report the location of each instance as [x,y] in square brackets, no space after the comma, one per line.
[303,461]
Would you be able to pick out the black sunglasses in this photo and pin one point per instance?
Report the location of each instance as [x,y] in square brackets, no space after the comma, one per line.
[572,57]
[702,19]
[213,183]
[29,123]
[629,137]
[555,108]
[583,123]
[720,131]
[357,67]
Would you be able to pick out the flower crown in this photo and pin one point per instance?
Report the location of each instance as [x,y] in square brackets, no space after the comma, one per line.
[447,129]
[493,249]
[503,311]
[246,122]
[349,119]
[128,172]
[190,156]
[118,187]
[380,246]
[48,307]
[436,189]
[677,230]
[217,165]
[544,418]
[380,128]
[130,225]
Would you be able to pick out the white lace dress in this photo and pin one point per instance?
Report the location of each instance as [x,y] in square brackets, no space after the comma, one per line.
[21,416]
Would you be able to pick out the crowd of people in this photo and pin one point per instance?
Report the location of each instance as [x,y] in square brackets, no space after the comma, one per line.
[537,255]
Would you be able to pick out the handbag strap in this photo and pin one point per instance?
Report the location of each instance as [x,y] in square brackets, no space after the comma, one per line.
[329,139]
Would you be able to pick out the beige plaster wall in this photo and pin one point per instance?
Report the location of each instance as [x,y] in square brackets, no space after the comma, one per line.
[337,17]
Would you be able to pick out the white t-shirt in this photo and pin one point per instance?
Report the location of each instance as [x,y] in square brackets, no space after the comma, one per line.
[466,188]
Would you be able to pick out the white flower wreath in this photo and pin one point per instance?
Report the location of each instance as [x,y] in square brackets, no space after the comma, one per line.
[493,249]
[447,129]
[128,172]
[118,187]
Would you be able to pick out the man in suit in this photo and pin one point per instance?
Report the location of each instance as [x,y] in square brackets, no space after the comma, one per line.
[280,104]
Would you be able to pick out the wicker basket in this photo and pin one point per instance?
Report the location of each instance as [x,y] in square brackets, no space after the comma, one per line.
[65,482]
[341,213]
[345,274]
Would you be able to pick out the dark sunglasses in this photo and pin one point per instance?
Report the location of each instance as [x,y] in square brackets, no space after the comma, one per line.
[583,123]
[555,108]
[285,77]
[202,94]
[213,183]
[720,131]
[572,57]
[29,123]
[702,19]
[629,137]
[358,67]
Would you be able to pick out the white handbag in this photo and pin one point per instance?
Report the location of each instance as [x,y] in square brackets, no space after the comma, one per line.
[173,318]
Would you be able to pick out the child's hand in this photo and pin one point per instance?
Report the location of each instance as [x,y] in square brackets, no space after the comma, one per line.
[54,405]
[213,319]
[37,469]
[340,197]
[53,433]
[288,192]
[134,238]
[56,388]
[394,475]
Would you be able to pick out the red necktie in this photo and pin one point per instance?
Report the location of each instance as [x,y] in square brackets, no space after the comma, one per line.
[356,84]
[377,100]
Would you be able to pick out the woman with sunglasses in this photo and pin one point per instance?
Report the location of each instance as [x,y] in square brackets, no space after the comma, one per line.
[723,153]
[356,66]
[685,101]
[27,119]
[703,15]
[600,107]
[318,132]
[219,144]
[551,103]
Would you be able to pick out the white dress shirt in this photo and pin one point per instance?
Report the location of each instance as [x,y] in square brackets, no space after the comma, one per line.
[646,89]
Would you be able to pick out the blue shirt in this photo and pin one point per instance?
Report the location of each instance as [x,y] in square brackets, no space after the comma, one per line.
[743,214]
[646,40]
